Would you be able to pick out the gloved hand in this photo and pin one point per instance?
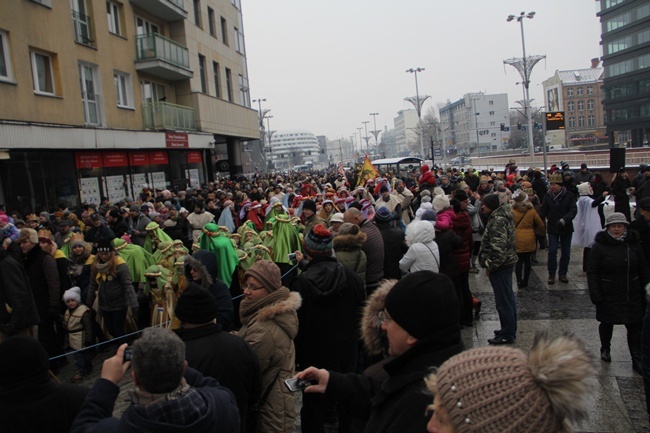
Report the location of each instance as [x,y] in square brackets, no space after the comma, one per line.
[560,224]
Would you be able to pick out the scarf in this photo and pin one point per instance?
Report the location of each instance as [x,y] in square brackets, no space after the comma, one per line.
[621,239]
[248,308]
[557,197]
[103,271]
[138,396]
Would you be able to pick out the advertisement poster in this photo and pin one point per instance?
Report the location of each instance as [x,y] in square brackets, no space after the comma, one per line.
[193,175]
[158,180]
[89,190]
[139,182]
[114,188]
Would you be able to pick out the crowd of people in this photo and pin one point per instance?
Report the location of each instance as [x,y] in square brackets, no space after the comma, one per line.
[357,286]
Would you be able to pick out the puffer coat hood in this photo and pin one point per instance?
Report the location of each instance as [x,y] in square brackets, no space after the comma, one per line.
[324,279]
[420,232]
[349,241]
[202,261]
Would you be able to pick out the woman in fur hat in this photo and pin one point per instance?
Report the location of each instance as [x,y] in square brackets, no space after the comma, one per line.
[497,389]
[269,324]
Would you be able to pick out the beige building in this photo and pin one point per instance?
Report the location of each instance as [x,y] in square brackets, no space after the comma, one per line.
[101,97]
[579,94]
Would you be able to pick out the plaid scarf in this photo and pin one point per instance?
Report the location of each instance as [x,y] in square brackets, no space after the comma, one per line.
[557,197]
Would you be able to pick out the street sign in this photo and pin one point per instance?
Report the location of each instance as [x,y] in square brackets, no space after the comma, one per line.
[437,152]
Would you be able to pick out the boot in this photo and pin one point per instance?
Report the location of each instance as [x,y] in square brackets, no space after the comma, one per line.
[474,269]
[605,355]
[476,305]
[634,344]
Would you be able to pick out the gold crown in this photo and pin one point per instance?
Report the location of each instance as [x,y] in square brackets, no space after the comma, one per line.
[555,178]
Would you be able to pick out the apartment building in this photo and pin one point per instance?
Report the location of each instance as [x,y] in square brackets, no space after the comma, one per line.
[406,132]
[102,97]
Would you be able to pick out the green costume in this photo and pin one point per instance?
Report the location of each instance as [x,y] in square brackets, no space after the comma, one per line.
[286,239]
[215,240]
[164,255]
[155,237]
[66,249]
[136,258]
[163,299]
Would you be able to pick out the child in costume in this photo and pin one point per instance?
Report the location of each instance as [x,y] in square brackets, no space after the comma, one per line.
[77,322]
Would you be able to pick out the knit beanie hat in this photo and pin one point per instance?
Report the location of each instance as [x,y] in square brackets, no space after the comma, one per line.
[383,188]
[267,273]
[383,215]
[318,241]
[73,293]
[23,362]
[492,201]
[440,202]
[196,305]
[497,389]
[520,196]
[310,205]
[104,246]
[429,215]
[425,193]
[29,234]
[583,188]
[460,195]
[349,229]
[424,303]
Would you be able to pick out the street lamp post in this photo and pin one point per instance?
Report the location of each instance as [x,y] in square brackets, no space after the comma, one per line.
[525,67]
[366,137]
[375,132]
[418,106]
[262,114]
[360,145]
[269,134]
[476,113]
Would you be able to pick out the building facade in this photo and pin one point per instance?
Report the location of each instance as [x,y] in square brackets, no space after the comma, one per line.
[579,94]
[291,147]
[108,96]
[472,124]
[626,58]
[406,132]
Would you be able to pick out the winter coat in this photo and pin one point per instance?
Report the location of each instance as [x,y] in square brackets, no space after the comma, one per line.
[448,242]
[17,295]
[207,408]
[270,331]
[527,224]
[228,359]
[463,228]
[332,298]
[498,244]
[427,178]
[581,177]
[348,252]
[552,211]
[374,249]
[141,226]
[617,274]
[394,249]
[643,228]
[423,253]
[395,404]
[205,262]
[98,235]
[444,220]
[114,292]
[43,276]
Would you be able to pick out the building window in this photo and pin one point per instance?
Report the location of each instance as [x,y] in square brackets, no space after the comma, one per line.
[606,4]
[235,3]
[229,84]
[47,3]
[590,104]
[644,86]
[569,91]
[113,16]
[224,30]
[581,121]
[644,61]
[144,27]
[618,21]
[581,105]
[619,68]
[81,23]
[90,97]
[571,106]
[591,120]
[217,79]
[619,44]
[123,89]
[152,91]
[42,73]
[590,90]
[572,122]
[211,22]
[491,113]
[642,11]
[204,84]
[244,93]
[579,91]
[6,70]
[239,42]
[643,36]
[493,123]
[490,102]
[197,13]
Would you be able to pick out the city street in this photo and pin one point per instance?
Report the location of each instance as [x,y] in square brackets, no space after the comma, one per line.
[617,401]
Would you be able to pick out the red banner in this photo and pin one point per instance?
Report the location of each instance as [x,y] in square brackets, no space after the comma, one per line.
[116,159]
[176,140]
[194,156]
[88,159]
[138,158]
[158,157]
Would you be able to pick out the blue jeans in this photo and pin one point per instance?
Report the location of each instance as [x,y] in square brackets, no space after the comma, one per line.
[564,242]
[506,303]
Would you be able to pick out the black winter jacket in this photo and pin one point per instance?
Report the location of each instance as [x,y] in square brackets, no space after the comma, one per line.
[617,274]
[553,212]
[394,249]
[43,275]
[16,293]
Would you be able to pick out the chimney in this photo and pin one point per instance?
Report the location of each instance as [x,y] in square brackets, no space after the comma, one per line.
[595,62]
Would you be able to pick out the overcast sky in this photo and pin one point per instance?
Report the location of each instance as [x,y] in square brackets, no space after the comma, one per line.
[324,65]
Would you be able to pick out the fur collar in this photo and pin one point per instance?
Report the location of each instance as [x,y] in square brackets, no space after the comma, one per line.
[373,337]
[291,304]
[192,263]
[349,242]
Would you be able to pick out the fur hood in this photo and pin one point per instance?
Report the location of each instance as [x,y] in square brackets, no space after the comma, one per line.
[374,338]
[192,263]
[420,232]
[291,304]
[349,242]
[522,207]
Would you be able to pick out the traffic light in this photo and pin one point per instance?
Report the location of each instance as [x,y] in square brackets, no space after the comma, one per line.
[503,126]
[519,126]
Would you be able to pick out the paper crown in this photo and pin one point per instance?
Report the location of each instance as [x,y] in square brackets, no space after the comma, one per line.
[555,178]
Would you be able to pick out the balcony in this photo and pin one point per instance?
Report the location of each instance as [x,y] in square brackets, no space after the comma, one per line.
[82,30]
[163,115]
[162,57]
[168,10]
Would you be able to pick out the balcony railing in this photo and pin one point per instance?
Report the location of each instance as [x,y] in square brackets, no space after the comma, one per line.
[163,115]
[82,30]
[153,46]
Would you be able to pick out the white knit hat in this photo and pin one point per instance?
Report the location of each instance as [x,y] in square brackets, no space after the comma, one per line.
[440,202]
[72,293]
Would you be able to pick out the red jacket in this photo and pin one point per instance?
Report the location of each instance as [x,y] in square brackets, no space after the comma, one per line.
[427,177]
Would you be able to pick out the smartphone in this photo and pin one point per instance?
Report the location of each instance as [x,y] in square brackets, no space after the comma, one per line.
[292,257]
[128,354]
[296,384]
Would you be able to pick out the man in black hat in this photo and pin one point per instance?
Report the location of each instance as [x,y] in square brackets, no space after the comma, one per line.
[422,325]
[116,223]
[217,353]
[99,232]
[584,175]
[309,216]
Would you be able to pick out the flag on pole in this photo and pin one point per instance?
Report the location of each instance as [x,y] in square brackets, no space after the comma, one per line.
[368,171]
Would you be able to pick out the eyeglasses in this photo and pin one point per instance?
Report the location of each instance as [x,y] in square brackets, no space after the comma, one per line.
[248,287]
[384,317]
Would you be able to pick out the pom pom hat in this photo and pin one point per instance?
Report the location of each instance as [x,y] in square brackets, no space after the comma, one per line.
[318,241]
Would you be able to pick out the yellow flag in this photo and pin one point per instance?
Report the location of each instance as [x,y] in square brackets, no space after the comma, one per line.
[368,171]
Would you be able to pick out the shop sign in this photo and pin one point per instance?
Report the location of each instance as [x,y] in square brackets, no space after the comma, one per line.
[176,140]
[158,157]
[88,159]
[115,159]
[138,158]
[194,156]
